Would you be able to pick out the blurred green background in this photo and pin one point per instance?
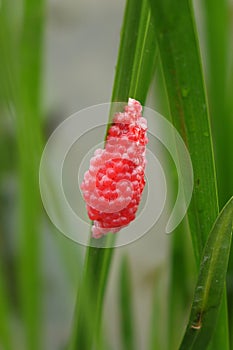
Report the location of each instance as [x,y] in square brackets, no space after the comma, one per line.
[57,57]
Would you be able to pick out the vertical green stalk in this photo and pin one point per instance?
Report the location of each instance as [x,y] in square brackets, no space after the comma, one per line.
[210,285]
[5,307]
[217,35]
[5,334]
[126,56]
[98,260]
[182,70]
[158,337]
[126,306]
[145,56]
[218,38]
[181,280]
[21,71]
[182,269]
[176,39]
[28,113]
[129,65]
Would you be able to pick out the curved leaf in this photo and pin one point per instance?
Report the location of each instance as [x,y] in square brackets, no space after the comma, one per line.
[211,282]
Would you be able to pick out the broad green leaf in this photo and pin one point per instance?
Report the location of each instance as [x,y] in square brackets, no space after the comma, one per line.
[126,307]
[211,282]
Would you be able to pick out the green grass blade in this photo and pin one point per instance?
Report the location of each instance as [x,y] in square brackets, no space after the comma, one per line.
[230,130]
[7,63]
[87,322]
[216,15]
[182,69]
[126,307]
[137,53]
[158,332]
[216,22]
[98,260]
[182,268]
[21,73]
[181,65]
[127,51]
[145,56]
[5,334]
[28,115]
[6,153]
[210,284]
[181,283]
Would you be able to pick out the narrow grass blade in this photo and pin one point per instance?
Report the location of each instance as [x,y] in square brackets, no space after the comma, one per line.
[230,125]
[182,268]
[145,56]
[181,283]
[127,51]
[216,15]
[210,284]
[217,30]
[158,332]
[5,334]
[28,114]
[182,69]
[7,63]
[87,321]
[126,307]
[5,165]
[21,72]
[98,260]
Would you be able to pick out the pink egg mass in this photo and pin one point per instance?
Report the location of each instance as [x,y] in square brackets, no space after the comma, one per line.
[113,185]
